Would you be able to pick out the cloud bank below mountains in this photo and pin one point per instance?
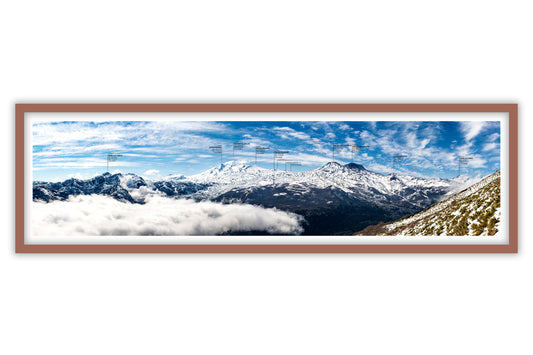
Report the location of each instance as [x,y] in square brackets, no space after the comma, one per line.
[95,215]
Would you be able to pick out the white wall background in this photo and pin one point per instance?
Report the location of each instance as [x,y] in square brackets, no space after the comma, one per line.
[275,51]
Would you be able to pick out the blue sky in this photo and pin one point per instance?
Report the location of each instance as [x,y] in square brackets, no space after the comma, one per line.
[157,148]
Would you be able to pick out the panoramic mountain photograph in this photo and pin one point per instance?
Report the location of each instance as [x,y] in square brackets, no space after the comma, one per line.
[265,178]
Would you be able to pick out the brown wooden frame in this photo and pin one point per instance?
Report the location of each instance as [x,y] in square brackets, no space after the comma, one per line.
[511,247]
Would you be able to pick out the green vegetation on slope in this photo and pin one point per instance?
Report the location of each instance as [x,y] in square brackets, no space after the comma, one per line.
[474,211]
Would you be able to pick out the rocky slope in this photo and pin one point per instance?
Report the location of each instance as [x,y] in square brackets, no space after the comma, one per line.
[473,211]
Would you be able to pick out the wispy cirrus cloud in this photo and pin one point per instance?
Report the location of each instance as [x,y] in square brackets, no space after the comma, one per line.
[287,133]
[77,163]
[179,147]
[471,129]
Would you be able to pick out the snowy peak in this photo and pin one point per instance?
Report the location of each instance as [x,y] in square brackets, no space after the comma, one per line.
[232,166]
[227,167]
[229,171]
[331,167]
[334,167]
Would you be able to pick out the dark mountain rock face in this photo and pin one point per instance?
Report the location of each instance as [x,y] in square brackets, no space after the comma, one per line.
[105,184]
[354,166]
[327,211]
[179,188]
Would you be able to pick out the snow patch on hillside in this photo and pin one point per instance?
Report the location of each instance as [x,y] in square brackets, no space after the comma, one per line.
[470,206]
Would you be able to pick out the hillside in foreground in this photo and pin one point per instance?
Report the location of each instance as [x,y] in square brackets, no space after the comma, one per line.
[473,211]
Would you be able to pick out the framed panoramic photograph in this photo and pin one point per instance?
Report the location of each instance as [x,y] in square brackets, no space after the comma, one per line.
[266,178]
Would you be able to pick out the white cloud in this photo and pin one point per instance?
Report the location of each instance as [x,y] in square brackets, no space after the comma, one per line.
[310,159]
[380,168]
[68,138]
[68,132]
[75,176]
[477,162]
[287,132]
[96,215]
[490,146]
[493,137]
[78,163]
[151,172]
[350,140]
[471,129]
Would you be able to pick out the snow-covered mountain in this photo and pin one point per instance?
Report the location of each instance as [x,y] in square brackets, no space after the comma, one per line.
[350,178]
[116,186]
[334,198]
[473,211]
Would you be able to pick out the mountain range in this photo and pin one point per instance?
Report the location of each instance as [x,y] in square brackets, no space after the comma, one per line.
[333,199]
